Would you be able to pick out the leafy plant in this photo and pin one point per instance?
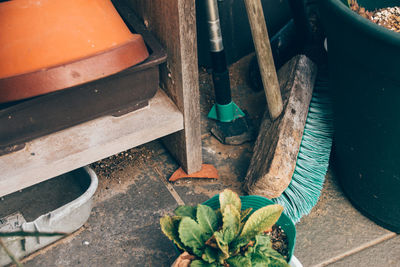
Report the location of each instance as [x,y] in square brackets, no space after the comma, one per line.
[228,236]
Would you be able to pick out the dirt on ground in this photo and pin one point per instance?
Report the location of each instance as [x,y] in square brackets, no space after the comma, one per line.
[117,173]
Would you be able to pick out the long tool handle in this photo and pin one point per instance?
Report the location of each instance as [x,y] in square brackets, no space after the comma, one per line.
[264,55]
[220,72]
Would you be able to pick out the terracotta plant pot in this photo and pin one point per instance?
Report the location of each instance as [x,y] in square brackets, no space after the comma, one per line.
[48,45]
[183,260]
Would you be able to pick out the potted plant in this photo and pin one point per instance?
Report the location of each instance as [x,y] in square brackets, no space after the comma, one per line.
[229,230]
[365,84]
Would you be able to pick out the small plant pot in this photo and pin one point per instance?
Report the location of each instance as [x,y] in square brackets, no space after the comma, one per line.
[183,261]
[255,202]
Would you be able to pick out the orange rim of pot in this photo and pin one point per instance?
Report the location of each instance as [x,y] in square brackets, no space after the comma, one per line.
[75,72]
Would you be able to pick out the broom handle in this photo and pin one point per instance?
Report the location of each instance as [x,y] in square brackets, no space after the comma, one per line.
[264,55]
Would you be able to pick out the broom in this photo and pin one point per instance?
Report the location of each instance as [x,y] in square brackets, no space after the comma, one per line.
[297,191]
[312,163]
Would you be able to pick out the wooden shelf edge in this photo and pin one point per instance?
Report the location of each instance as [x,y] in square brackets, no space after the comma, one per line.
[72,148]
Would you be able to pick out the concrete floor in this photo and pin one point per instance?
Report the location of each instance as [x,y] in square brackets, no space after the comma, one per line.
[123,229]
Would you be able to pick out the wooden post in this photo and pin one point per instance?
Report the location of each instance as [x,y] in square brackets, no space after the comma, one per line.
[264,55]
[174,24]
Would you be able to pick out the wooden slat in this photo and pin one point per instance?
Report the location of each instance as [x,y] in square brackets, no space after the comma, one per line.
[83,144]
[174,24]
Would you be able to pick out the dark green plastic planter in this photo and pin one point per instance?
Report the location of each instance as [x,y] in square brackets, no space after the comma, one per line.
[257,202]
[364,61]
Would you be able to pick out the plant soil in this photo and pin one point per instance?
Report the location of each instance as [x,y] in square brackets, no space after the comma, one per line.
[388,17]
[279,240]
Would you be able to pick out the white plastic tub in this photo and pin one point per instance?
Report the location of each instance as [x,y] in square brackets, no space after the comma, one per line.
[35,209]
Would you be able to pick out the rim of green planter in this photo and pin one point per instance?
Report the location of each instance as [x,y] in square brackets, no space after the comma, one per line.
[257,202]
[363,24]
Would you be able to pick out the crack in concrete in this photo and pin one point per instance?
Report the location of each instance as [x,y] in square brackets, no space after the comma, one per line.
[170,188]
[356,250]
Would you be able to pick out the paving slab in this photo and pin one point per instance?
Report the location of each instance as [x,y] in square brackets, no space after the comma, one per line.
[230,161]
[385,254]
[333,228]
[123,230]
[190,191]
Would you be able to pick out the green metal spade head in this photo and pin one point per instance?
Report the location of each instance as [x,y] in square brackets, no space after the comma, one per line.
[225,113]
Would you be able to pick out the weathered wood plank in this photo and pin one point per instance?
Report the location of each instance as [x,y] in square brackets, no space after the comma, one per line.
[174,24]
[63,151]
[278,143]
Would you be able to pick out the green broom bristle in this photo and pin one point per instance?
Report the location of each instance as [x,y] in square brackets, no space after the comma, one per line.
[312,163]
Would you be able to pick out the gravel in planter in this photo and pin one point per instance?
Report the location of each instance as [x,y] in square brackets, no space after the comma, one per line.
[388,17]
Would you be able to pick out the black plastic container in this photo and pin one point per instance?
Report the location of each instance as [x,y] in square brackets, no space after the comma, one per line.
[364,61]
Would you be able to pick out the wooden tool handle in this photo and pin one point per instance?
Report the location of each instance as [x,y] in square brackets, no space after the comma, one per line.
[264,55]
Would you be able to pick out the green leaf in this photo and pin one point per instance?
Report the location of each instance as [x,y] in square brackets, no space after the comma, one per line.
[229,197]
[200,263]
[207,219]
[229,235]
[278,262]
[239,261]
[261,220]
[263,248]
[231,221]
[218,213]
[238,243]
[192,235]
[263,245]
[261,260]
[188,211]
[169,226]
[258,260]
[274,256]
[222,245]
[263,242]
[210,255]
[245,214]
[250,250]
